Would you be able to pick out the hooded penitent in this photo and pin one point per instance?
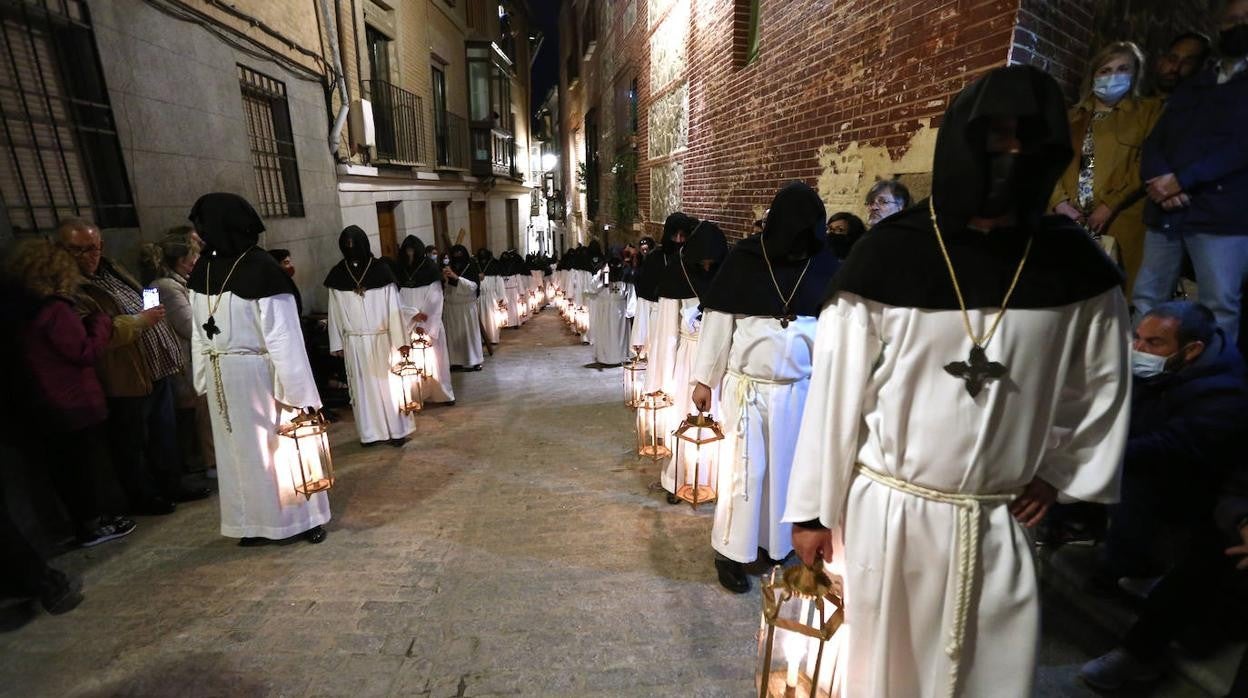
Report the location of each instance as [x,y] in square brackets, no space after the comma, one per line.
[413,269]
[664,257]
[230,227]
[488,265]
[687,276]
[794,241]
[463,264]
[648,276]
[899,262]
[359,270]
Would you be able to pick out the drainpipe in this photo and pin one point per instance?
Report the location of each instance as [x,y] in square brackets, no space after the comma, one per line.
[335,134]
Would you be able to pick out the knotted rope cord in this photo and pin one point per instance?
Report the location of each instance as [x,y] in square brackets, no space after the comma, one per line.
[214,357]
[969,516]
[745,395]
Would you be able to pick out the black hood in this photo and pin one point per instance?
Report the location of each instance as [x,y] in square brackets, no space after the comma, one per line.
[900,263]
[464,265]
[676,222]
[797,260]
[414,269]
[358,269]
[230,228]
[685,277]
[961,167]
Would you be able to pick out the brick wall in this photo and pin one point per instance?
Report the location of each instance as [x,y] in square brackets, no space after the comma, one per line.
[840,93]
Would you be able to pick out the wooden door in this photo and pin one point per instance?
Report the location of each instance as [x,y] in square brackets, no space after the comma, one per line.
[388,230]
[441,228]
[513,224]
[476,223]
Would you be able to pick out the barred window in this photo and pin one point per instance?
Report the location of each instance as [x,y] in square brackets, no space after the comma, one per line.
[59,153]
[272,144]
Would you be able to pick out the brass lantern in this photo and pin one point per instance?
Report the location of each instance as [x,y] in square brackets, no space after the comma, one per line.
[411,375]
[697,450]
[422,341]
[801,613]
[651,442]
[634,382]
[500,313]
[313,465]
[639,353]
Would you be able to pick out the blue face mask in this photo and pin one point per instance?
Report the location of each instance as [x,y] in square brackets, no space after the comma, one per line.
[1111,88]
[1145,365]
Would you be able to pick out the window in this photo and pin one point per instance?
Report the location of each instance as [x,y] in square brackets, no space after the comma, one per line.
[59,153]
[439,115]
[745,32]
[591,164]
[272,144]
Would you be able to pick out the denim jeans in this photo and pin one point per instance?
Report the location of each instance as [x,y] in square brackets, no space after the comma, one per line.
[1221,263]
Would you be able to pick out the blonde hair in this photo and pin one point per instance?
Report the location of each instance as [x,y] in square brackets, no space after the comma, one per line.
[157,260]
[1118,48]
[43,268]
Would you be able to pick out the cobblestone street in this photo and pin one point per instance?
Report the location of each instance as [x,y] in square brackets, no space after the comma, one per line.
[513,548]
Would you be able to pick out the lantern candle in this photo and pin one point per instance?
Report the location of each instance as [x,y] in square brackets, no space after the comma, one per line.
[313,463]
[411,376]
[650,441]
[697,449]
[801,606]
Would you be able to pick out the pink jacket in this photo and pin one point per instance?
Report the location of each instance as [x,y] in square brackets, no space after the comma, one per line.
[61,351]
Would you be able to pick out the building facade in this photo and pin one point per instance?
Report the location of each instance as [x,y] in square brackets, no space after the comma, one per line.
[402,118]
[711,106]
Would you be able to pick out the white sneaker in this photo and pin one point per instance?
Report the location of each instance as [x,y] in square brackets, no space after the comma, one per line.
[1114,670]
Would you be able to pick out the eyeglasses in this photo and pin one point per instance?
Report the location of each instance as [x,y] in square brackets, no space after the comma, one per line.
[83,250]
[882,202]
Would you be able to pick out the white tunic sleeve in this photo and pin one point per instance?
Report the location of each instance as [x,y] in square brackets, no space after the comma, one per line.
[199,345]
[399,335]
[711,360]
[1084,456]
[432,302]
[293,383]
[847,348]
[630,306]
[335,322]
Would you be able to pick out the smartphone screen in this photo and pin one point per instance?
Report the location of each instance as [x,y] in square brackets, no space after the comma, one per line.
[151,298]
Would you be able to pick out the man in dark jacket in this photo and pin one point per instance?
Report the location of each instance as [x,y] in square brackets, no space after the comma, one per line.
[1188,407]
[1195,164]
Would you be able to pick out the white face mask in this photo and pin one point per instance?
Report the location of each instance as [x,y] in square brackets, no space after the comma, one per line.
[1111,88]
[1145,365]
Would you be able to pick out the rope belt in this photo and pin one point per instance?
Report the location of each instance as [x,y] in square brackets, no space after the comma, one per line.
[745,396]
[691,336]
[970,511]
[214,358]
[373,333]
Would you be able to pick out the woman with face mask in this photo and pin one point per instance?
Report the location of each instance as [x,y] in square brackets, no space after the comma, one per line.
[1101,188]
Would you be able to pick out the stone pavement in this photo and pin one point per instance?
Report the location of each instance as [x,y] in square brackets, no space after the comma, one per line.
[512,548]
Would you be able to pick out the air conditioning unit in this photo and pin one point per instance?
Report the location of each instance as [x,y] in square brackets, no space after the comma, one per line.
[361,120]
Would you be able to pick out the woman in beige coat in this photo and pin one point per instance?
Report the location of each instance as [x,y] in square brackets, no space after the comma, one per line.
[1101,189]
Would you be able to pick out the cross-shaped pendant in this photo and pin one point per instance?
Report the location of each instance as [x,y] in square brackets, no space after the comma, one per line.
[210,327]
[359,291]
[786,319]
[976,370]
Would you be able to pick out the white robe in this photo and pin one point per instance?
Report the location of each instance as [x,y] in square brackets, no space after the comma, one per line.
[368,330]
[609,323]
[266,379]
[664,336]
[461,320]
[487,306]
[511,286]
[765,370]
[880,397]
[680,468]
[642,314]
[427,299]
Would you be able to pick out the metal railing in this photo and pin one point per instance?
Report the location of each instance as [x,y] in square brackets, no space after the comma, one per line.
[493,153]
[451,134]
[399,123]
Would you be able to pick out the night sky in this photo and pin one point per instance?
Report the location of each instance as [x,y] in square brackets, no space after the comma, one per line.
[546,68]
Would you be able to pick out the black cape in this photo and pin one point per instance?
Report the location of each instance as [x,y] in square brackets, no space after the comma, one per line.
[795,234]
[230,229]
[899,263]
[413,268]
[356,252]
[464,265]
[685,276]
[488,265]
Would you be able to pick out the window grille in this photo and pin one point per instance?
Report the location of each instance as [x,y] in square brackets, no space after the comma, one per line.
[272,145]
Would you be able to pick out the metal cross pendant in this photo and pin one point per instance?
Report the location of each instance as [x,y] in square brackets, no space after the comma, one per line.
[786,319]
[210,327]
[976,370]
[359,291]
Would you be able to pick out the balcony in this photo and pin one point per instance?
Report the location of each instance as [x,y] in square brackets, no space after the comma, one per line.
[493,153]
[450,131]
[399,122]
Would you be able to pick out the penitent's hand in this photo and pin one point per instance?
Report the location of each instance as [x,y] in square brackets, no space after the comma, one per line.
[812,544]
[702,398]
[1034,502]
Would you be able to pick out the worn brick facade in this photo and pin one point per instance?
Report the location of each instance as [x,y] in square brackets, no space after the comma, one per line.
[838,94]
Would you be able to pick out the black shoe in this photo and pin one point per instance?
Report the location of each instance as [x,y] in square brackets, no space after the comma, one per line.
[57,595]
[475,368]
[253,542]
[192,494]
[109,528]
[156,506]
[398,443]
[673,499]
[315,535]
[455,368]
[369,444]
[732,575]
